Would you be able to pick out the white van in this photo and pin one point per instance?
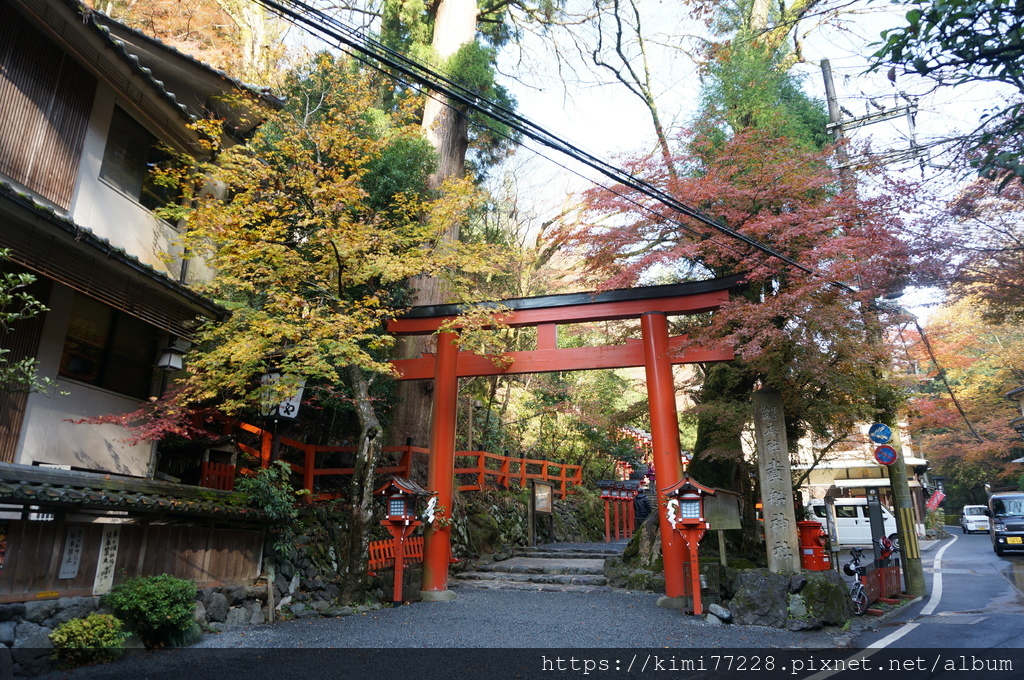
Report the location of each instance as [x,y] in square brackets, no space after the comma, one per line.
[974,518]
[853,526]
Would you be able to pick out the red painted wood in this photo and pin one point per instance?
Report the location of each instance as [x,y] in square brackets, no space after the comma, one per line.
[661,395]
[547,336]
[568,359]
[625,309]
[437,542]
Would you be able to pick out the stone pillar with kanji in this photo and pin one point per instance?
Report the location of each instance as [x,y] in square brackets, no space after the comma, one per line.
[776,481]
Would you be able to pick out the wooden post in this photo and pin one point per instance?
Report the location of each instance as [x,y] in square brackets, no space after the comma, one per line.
[661,395]
[437,539]
[308,473]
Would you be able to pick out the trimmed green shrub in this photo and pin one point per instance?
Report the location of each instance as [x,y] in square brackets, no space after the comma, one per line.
[98,638]
[159,609]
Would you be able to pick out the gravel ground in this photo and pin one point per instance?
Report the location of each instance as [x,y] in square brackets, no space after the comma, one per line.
[519,619]
[486,634]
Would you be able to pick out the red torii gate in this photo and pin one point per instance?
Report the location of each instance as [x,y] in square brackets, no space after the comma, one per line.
[655,351]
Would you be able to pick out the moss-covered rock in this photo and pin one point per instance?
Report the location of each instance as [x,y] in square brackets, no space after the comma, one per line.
[761,598]
[827,597]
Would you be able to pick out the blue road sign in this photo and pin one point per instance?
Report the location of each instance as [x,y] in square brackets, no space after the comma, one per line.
[880,433]
[886,455]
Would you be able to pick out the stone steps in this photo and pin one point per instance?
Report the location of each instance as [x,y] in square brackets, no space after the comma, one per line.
[462,583]
[517,566]
[550,554]
[542,568]
[550,579]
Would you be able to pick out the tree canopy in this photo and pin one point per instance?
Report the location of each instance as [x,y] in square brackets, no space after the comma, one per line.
[955,42]
[328,215]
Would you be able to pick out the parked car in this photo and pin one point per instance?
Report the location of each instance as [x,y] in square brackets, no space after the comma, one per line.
[853,527]
[974,518]
[1006,510]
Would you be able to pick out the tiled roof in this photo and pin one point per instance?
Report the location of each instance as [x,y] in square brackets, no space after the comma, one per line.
[70,489]
[104,247]
[261,92]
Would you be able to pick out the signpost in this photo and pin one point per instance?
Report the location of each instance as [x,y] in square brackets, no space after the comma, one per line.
[880,433]
[885,455]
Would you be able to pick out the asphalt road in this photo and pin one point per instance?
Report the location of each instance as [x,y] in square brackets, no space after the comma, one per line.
[974,600]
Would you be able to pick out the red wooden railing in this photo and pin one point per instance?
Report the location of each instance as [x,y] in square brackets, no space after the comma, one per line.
[217,476]
[487,470]
[883,583]
[382,553]
[505,469]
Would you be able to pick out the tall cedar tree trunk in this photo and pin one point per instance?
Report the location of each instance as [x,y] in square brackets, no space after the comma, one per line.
[726,382]
[367,452]
[447,128]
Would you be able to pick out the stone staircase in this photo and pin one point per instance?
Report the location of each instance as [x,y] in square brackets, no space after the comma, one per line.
[554,567]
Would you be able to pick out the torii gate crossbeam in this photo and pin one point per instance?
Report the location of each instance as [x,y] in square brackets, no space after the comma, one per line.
[655,351]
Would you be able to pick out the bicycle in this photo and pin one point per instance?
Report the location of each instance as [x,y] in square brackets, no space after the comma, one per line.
[857,592]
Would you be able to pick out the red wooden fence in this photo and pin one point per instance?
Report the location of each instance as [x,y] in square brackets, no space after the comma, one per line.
[493,470]
[217,476]
[382,553]
[487,470]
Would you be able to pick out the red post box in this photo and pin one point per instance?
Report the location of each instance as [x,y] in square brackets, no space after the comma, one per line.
[813,556]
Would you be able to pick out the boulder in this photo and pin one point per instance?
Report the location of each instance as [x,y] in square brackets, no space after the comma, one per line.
[216,608]
[73,608]
[761,599]
[238,617]
[6,663]
[235,595]
[720,612]
[31,650]
[12,612]
[38,611]
[827,597]
[7,634]
[199,614]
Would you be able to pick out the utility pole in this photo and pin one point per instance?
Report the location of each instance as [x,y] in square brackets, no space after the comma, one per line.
[910,550]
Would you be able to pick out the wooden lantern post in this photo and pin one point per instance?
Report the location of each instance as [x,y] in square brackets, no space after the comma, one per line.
[400,520]
[684,511]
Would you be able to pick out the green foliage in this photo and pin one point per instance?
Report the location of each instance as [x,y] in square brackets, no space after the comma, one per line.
[98,638]
[159,609]
[17,304]
[328,218]
[963,41]
[271,491]
[490,141]
[748,88]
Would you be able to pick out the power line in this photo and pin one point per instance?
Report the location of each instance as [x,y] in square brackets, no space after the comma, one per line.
[317,22]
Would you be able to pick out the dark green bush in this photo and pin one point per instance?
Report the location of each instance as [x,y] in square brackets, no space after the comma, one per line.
[98,638]
[159,609]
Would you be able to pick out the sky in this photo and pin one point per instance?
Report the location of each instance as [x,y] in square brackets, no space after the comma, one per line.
[607,120]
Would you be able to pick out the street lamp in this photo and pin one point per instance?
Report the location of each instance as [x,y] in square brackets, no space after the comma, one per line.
[172,357]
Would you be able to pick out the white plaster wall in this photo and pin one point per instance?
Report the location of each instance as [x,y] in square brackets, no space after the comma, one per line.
[47,437]
[111,215]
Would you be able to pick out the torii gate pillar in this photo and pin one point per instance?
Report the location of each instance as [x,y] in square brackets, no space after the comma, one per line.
[441,472]
[661,395]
